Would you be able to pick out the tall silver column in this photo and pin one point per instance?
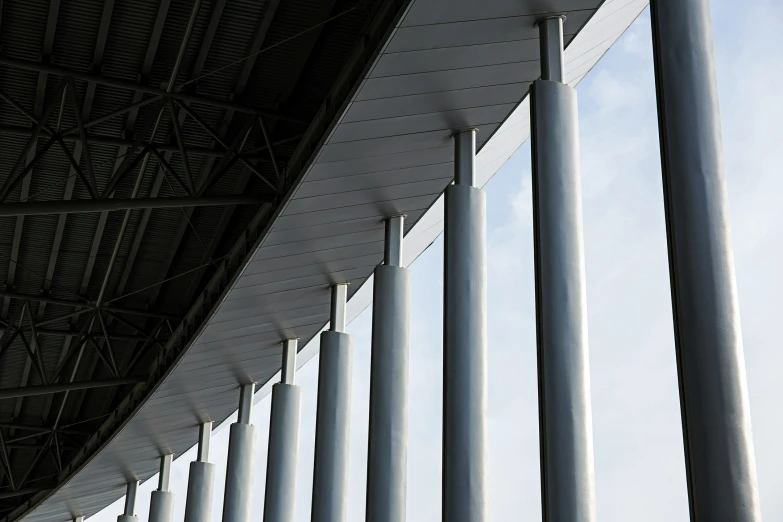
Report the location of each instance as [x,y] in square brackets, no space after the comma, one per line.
[162,500]
[465,342]
[130,503]
[238,495]
[283,441]
[720,461]
[198,505]
[332,424]
[387,452]
[565,420]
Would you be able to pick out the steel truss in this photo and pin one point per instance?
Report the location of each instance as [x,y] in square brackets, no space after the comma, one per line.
[100,318]
[91,330]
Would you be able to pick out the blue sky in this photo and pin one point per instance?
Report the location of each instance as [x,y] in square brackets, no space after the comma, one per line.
[640,473]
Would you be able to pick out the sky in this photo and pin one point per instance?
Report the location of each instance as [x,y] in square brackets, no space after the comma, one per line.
[640,473]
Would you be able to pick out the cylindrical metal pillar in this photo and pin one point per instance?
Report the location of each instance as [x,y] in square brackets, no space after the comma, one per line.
[198,505]
[332,424]
[162,500]
[279,501]
[720,462]
[565,420]
[465,342]
[238,494]
[130,503]
[161,506]
[387,452]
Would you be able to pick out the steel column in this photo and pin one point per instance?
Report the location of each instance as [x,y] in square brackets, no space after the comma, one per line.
[162,500]
[238,494]
[332,424]
[565,419]
[130,503]
[720,462]
[283,441]
[198,505]
[387,452]
[465,485]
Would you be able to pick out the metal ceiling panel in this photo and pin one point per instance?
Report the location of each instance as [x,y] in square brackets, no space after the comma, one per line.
[333,170]
[397,159]
[493,30]
[445,11]
[418,103]
[452,80]
[341,214]
[426,122]
[451,58]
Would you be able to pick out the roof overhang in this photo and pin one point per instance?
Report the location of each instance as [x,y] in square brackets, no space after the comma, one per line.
[444,65]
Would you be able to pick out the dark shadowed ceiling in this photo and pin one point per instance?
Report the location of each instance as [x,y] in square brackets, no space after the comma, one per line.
[139,141]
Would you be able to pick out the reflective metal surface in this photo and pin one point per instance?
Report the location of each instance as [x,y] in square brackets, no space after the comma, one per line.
[446,65]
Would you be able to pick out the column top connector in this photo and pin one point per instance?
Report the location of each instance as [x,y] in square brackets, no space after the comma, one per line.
[393,239]
[549,17]
[288,366]
[338,283]
[392,216]
[246,393]
[464,130]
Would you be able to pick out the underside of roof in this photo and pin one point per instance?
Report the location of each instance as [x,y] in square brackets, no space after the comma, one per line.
[141,141]
[183,180]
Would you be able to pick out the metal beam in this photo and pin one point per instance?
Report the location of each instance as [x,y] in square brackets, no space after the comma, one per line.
[78,304]
[206,43]
[27,427]
[30,391]
[181,144]
[52,332]
[155,124]
[111,141]
[18,493]
[5,461]
[29,151]
[122,159]
[163,162]
[204,125]
[107,205]
[133,86]
[211,171]
[33,155]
